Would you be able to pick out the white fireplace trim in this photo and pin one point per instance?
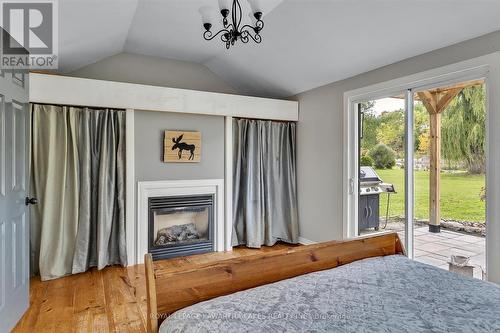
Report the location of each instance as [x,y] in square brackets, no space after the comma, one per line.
[145,190]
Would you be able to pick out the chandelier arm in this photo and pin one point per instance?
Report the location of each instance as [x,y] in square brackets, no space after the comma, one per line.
[244,36]
[226,37]
[230,27]
[240,12]
[257,39]
[209,36]
[233,11]
[248,30]
[259,24]
[247,27]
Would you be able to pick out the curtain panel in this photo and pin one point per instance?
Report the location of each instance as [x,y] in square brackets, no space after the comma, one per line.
[265,189]
[78,174]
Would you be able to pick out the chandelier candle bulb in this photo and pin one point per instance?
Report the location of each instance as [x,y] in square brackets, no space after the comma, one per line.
[255,5]
[224,4]
[207,15]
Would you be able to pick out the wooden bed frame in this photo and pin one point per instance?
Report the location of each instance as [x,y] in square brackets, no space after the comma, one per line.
[169,290]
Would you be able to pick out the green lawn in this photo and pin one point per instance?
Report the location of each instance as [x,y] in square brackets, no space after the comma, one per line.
[459,195]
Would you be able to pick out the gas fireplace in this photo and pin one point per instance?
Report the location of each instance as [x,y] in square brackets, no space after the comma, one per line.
[180,225]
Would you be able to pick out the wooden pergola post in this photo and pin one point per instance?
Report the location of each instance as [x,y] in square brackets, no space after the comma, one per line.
[435,172]
[435,102]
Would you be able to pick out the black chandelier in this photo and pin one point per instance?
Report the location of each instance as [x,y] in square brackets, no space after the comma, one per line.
[234,30]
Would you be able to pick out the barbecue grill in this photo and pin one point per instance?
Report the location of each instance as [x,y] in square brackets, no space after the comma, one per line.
[370,188]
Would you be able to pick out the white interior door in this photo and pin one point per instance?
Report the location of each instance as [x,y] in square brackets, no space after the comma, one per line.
[14,219]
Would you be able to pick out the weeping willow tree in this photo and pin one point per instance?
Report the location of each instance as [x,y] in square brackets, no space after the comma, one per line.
[463,132]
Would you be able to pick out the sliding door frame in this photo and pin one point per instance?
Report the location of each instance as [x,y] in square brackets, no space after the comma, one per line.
[350,225]
[409,174]
[444,76]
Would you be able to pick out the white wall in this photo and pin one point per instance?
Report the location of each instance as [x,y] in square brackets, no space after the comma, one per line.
[141,69]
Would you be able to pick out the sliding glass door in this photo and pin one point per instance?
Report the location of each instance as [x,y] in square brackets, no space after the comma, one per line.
[382,164]
[419,169]
[450,171]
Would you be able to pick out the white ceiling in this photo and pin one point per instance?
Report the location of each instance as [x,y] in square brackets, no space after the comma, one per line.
[306,43]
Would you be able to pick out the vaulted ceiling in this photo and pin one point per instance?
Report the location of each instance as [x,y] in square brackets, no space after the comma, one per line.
[306,43]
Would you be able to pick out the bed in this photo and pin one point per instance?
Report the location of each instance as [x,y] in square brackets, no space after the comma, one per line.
[357,285]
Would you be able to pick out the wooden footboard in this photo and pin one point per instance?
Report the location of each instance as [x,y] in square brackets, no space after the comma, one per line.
[171,290]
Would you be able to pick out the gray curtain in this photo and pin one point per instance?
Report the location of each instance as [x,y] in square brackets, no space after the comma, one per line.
[78,174]
[265,190]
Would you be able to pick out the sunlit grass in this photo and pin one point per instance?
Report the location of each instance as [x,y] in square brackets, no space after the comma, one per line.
[459,195]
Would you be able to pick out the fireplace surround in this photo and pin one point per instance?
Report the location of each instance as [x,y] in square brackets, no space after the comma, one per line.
[222,227]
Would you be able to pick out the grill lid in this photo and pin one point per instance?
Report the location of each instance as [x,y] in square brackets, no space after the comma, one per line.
[368,175]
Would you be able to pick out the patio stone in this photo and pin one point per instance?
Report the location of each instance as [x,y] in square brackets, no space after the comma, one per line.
[478,260]
[475,247]
[448,252]
[436,248]
[433,247]
[429,238]
[449,234]
[421,231]
[419,252]
[454,242]
[469,238]
[438,256]
[431,261]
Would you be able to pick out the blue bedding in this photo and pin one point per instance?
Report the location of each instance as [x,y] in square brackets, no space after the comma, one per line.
[383,294]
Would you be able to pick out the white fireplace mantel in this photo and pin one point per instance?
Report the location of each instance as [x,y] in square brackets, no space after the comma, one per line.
[145,190]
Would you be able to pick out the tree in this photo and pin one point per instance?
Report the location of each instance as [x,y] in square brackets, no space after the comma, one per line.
[391,130]
[367,107]
[389,127]
[370,124]
[383,157]
[463,129]
[424,142]
[366,160]
[421,128]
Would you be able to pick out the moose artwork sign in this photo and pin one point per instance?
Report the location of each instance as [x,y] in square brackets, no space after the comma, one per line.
[182,147]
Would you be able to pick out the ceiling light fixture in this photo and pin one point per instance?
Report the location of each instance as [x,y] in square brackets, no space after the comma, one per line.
[233,30]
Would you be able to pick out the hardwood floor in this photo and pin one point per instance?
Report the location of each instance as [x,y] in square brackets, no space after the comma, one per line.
[110,300]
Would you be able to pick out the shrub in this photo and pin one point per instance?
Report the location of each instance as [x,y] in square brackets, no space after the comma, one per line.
[366,160]
[383,156]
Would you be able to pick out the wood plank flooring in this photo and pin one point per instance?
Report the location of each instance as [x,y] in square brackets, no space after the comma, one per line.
[110,300]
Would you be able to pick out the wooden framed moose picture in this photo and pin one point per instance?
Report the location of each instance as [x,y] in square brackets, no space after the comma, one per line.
[182,147]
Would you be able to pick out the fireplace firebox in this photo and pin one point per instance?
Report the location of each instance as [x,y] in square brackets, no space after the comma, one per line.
[180,225]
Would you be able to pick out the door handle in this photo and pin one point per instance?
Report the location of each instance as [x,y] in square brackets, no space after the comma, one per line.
[30,201]
[351,186]
[366,211]
[370,210]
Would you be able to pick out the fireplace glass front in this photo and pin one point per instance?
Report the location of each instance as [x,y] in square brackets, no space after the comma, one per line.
[180,225]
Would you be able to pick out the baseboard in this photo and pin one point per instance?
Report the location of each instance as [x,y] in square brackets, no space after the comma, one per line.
[305,241]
